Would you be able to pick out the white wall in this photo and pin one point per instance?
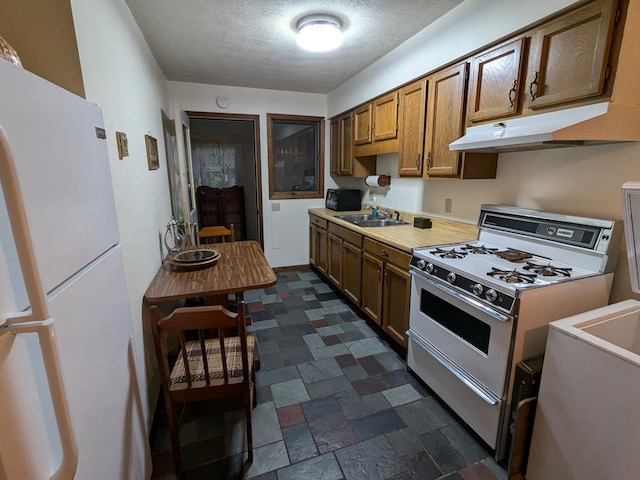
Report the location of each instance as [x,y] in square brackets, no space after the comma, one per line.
[581,180]
[286,236]
[123,78]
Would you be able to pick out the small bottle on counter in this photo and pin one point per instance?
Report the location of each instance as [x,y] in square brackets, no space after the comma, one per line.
[374,208]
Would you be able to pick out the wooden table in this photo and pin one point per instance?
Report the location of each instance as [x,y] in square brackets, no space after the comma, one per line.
[242,266]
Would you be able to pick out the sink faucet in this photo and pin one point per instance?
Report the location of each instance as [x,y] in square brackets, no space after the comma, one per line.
[397,214]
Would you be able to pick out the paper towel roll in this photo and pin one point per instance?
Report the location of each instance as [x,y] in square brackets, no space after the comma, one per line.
[378,180]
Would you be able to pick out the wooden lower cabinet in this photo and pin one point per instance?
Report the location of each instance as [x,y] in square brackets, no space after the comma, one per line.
[344,263]
[395,302]
[374,276]
[334,263]
[318,243]
[372,270]
[352,272]
[386,286]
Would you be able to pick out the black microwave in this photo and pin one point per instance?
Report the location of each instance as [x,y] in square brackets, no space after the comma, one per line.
[342,199]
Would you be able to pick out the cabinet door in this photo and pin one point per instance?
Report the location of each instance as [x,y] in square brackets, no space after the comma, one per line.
[445,119]
[334,265]
[372,270]
[385,117]
[362,125]
[346,144]
[313,245]
[495,82]
[351,271]
[334,159]
[413,105]
[568,58]
[321,246]
[396,291]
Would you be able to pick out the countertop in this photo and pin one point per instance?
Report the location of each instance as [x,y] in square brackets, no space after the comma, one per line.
[406,237]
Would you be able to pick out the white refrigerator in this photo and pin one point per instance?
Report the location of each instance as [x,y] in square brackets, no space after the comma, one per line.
[69,397]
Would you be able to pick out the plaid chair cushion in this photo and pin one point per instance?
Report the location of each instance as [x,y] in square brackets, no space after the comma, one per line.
[233,353]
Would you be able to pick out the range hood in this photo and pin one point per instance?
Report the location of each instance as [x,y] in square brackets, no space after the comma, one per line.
[599,123]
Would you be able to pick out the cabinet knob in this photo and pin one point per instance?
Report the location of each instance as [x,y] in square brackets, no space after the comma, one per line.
[384,253]
[428,160]
[533,83]
[418,161]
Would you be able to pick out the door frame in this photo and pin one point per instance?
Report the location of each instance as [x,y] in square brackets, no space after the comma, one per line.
[255,119]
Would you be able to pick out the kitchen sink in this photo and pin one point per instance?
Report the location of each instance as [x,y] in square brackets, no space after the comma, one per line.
[358,217]
[367,220]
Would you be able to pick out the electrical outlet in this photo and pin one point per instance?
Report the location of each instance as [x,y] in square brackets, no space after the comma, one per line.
[447,205]
[275,207]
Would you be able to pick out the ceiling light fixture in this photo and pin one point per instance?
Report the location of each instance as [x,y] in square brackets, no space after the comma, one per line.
[319,33]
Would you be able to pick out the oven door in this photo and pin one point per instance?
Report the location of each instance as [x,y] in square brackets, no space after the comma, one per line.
[460,348]
[468,335]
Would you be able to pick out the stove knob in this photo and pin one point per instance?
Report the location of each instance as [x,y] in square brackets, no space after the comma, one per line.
[430,267]
[477,289]
[421,264]
[451,277]
[491,295]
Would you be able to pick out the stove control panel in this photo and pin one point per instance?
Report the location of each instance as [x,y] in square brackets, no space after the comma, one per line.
[472,287]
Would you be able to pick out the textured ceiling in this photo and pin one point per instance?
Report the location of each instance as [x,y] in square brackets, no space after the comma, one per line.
[251,43]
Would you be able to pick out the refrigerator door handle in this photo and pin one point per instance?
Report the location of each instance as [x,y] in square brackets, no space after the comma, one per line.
[38,320]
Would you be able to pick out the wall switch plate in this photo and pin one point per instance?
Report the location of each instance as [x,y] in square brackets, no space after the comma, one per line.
[447,205]
[275,207]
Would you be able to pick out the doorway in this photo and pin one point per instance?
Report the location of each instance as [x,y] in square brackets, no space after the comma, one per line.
[225,153]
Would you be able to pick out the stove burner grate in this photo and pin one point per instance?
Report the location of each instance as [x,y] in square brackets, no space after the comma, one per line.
[451,253]
[547,270]
[512,276]
[479,249]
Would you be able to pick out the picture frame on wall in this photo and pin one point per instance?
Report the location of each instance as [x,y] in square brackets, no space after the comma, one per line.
[152,152]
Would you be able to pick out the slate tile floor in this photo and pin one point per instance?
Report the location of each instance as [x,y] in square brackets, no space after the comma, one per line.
[335,401]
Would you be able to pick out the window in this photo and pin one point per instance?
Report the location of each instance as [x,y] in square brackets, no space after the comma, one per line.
[296,156]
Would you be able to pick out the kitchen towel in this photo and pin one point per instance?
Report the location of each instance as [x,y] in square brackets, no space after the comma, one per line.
[378,180]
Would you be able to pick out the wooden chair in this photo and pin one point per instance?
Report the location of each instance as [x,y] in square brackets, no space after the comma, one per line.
[227,369]
[215,234]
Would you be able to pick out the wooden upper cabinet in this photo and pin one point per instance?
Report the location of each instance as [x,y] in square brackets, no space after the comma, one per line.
[377,120]
[343,159]
[445,119]
[334,158]
[385,117]
[413,106]
[568,56]
[342,144]
[345,125]
[495,81]
[363,123]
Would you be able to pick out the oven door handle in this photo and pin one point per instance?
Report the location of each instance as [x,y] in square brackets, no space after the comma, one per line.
[476,387]
[464,298]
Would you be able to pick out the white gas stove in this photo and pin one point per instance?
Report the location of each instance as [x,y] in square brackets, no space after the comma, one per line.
[519,249]
[479,308]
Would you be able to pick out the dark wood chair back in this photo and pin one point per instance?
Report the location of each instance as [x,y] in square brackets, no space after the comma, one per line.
[222,207]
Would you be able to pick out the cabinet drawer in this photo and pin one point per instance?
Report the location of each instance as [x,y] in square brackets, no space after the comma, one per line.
[392,255]
[346,234]
[317,221]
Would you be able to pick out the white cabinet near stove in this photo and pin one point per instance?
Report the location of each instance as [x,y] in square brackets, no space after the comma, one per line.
[586,425]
